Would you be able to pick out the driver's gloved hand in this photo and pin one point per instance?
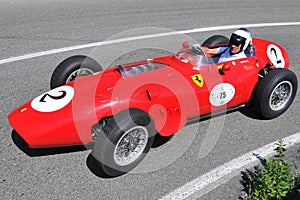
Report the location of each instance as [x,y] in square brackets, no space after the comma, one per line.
[197,48]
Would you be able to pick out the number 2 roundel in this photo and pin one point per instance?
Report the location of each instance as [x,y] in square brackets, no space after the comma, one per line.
[275,55]
[53,100]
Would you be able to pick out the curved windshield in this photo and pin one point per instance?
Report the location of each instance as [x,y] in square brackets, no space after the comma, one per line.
[195,57]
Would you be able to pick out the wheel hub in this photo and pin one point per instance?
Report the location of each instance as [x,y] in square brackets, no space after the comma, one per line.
[280,95]
[79,72]
[131,145]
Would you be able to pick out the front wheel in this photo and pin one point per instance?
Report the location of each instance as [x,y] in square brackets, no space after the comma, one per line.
[73,67]
[125,141]
[275,93]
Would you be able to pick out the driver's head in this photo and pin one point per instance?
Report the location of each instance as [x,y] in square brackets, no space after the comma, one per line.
[240,40]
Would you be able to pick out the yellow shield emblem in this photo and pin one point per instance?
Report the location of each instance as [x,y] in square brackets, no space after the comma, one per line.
[220,66]
[198,80]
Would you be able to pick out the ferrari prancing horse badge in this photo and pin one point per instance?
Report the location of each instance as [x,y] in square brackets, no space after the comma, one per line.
[198,80]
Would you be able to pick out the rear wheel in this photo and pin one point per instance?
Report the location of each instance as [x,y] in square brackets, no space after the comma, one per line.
[275,93]
[125,141]
[216,41]
[73,67]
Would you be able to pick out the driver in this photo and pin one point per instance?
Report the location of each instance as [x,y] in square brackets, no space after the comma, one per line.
[238,43]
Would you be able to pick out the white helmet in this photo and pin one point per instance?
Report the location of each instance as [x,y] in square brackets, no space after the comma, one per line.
[242,36]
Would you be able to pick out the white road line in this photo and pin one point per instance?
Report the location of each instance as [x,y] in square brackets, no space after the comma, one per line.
[249,159]
[89,45]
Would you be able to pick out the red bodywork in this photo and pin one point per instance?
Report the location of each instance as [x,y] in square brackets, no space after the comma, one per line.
[172,95]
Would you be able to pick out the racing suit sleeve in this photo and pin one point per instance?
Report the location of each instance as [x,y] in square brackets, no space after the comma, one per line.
[222,49]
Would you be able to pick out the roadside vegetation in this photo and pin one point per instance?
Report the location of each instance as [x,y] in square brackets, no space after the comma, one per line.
[273,179]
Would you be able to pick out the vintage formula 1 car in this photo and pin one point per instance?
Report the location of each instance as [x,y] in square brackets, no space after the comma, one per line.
[121,109]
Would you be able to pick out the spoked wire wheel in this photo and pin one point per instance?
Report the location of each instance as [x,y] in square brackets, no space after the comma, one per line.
[131,145]
[79,72]
[281,95]
[124,142]
[275,93]
[73,67]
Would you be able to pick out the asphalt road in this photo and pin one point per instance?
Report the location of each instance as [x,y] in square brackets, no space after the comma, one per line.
[31,26]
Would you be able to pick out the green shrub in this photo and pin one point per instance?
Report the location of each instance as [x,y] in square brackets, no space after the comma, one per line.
[294,194]
[273,180]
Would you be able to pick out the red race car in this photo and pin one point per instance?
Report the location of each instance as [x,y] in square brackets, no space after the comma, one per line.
[121,109]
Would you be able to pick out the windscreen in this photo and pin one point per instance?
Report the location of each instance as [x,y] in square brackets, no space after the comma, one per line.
[195,57]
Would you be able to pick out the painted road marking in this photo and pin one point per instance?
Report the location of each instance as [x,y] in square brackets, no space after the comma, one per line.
[90,45]
[212,177]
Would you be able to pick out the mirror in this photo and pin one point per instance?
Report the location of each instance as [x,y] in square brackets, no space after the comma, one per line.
[225,67]
[185,44]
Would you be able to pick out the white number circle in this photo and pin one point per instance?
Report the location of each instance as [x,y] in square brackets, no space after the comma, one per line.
[53,100]
[275,55]
[221,94]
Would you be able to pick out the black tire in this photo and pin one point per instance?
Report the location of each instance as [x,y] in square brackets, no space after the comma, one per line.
[216,41]
[275,93]
[115,146]
[72,67]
